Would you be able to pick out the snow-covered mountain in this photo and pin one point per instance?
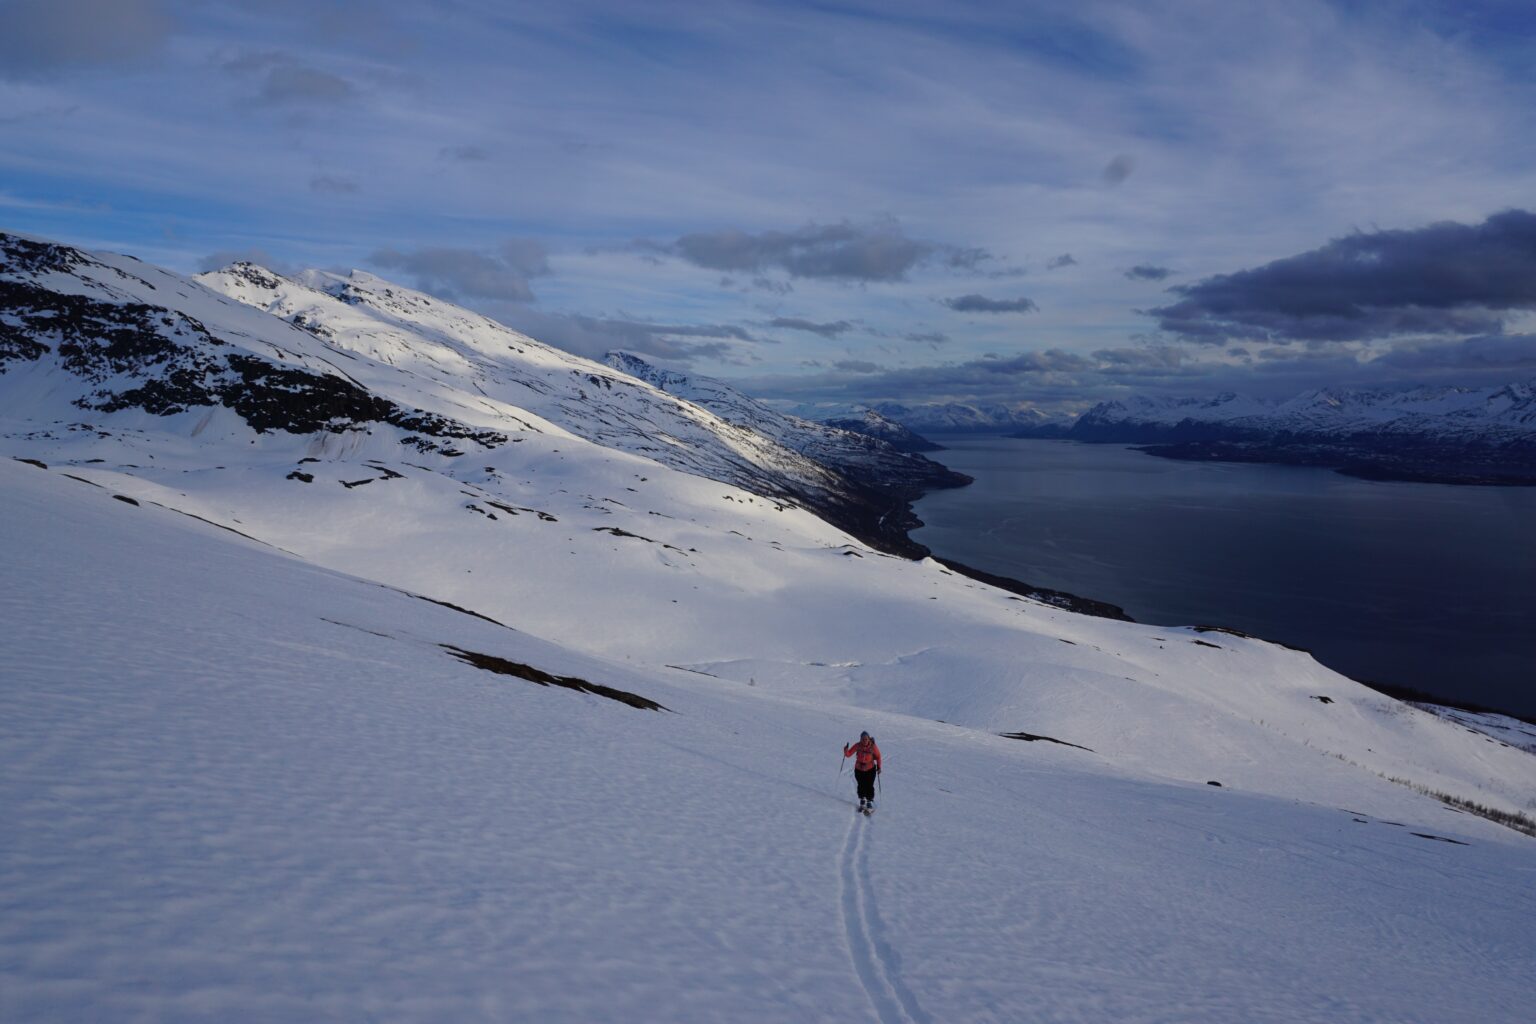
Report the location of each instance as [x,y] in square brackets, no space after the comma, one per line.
[872,424]
[892,476]
[1441,433]
[336,621]
[1441,414]
[435,347]
[958,417]
[935,417]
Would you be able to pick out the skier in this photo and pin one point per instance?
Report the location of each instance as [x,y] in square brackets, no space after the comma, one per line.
[866,766]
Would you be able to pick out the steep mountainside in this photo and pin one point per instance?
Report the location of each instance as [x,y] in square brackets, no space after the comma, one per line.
[888,430]
[890,476]
[417,345]
[958,417]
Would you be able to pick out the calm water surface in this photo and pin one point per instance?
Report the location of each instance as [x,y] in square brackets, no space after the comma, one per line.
[1422,585]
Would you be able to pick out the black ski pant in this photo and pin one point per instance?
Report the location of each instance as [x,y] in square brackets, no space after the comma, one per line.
[866,781]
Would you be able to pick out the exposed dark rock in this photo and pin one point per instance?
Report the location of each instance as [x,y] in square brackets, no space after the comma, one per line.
[1029,737]
[302,477]
[125,498]
[1247,636]
[502,666]
[177,364]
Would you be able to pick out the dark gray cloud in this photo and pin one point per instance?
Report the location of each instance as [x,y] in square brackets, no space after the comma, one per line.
[827,330]
[1447,278]
[857,366]
[1051,360]
[972,259]
[1148,272]
[847,252]
[333,185]
[1118,169]
[285,80]
[501,274]
[42,36]
[1064,260]
[927,337]
[982,304]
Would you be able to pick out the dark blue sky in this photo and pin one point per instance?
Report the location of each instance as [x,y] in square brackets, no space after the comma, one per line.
[820,200]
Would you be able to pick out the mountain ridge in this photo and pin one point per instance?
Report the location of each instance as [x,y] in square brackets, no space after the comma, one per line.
[1443,434]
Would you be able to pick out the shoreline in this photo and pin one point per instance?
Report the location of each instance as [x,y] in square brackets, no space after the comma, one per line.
[1105,609]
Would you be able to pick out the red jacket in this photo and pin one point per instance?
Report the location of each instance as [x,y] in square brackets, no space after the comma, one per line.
[868,755]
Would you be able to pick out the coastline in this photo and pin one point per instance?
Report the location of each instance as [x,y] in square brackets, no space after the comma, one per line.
[1459,467]
[1415,695]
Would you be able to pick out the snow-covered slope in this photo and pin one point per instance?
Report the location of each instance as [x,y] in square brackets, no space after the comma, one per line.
[426,350]
[936,417]
[871,423]
[241,787]
[958,416]
[892,476]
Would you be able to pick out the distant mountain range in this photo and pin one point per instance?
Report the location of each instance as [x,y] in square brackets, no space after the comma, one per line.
[925,417]
[1438,434]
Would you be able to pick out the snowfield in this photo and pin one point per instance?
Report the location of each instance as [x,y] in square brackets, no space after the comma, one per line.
[241,787]
[334,615]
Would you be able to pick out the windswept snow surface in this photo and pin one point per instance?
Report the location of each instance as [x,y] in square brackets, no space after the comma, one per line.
[241,787]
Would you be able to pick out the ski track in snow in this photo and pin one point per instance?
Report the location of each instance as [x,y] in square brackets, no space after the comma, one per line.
[874,959]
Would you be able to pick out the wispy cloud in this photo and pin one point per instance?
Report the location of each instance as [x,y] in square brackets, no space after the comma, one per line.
[42,36]
[332,184]
[826,330]
[284,79]
[846,252]
[500,274]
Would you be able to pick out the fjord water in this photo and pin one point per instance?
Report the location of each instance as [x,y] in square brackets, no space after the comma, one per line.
[1421,585]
